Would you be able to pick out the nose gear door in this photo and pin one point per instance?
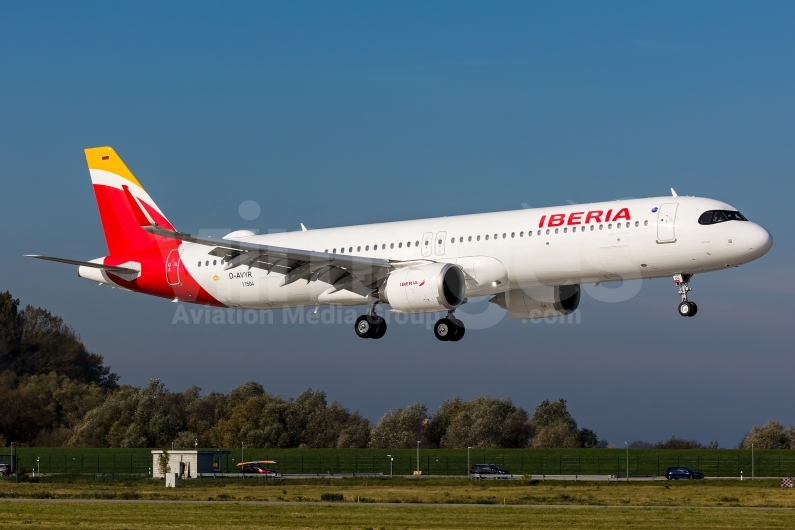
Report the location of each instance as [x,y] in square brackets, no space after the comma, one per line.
[172,267]
[665,223]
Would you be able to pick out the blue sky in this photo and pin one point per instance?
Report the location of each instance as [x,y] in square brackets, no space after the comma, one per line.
[364,112]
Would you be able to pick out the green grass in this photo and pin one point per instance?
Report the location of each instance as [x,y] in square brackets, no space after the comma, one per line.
[720,462]
[132,516]
[714,493]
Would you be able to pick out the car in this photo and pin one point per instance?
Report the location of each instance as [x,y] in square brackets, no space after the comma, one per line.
[487,469]
[5,470]
[675,473]
[257,468]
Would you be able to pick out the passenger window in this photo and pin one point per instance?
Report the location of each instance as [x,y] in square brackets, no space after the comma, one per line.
[645,223]
[610,226]
[452,240]
[504,236]
[350,249]
[400,245]
[495,236]
[367,248]
[487,237]
[342,250]
[636,224]
[213,262]
[479,238]
[408,244]
[461,239]
[416,243]
[469,239]
[391,245]
[200,264]
[513,234]
[358,249]
[556,230]
[521,234]
[582,229]
[591,228]
[565,230]
[334,251]
[547,231]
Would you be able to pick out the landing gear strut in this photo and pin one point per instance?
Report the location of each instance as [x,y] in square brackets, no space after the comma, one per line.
[449,328]
[682,281]
[370,326]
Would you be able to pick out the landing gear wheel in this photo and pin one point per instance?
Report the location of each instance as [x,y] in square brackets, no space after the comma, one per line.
[380,328]
[366,326]
[686,309]
[445,329]
[694,309]
[460,331]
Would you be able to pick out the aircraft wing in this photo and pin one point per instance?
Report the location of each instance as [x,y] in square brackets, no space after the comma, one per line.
[358,274]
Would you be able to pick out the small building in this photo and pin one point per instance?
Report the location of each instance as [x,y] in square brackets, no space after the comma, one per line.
[188,464]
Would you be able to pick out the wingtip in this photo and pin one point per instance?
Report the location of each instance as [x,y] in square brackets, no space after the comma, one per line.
[673,193]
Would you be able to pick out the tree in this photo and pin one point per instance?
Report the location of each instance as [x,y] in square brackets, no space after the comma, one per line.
[769,436]
[133,417]
[23,415]
[163,462]
[487,422]
[555,427]
[35,342]
[401,428]
[674,442]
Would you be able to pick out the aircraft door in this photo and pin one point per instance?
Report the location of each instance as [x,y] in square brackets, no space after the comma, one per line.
[666,219]
[427,241]
[439,243]
[172,267]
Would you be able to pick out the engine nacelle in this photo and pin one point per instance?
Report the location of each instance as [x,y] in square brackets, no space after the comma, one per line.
[424,288]
[540,302]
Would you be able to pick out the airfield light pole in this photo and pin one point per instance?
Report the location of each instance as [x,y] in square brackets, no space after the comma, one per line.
[391,459]
[752,461]
[468,477]
[627,444]
[418,457]
[38,466]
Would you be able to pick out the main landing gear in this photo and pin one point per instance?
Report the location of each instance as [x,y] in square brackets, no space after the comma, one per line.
[370,326]
[449,328]
[682,281]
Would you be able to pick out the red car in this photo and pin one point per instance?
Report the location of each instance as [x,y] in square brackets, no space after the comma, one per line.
[257,468]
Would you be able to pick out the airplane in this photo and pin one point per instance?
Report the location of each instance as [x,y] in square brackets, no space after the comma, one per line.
[531,262]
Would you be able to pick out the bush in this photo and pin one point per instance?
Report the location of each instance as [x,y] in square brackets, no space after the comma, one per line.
[332,497]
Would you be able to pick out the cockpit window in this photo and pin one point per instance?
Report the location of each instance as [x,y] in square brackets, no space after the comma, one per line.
[720,216]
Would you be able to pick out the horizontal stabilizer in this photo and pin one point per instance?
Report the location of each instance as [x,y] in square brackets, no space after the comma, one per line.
[123,272]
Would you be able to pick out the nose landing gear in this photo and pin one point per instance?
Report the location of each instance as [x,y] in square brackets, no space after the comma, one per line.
[449,328]
[682,281]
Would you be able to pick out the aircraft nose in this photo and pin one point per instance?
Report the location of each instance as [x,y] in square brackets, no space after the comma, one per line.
[759,240]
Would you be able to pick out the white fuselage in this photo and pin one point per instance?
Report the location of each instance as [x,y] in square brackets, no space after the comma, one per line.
[656,237]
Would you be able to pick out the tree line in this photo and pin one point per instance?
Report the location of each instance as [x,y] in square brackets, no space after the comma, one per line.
[54,392]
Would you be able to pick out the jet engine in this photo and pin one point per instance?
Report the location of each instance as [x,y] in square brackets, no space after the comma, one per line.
[424,288]
[539,302]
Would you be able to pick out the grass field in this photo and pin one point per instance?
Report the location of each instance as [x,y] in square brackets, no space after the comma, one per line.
[713,493]
[133,516]
[394,503]
[720,462]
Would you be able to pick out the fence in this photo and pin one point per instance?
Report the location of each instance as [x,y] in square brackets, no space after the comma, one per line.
[718,463]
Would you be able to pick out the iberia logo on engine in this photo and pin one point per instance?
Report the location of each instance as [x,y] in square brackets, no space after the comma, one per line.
[413,282]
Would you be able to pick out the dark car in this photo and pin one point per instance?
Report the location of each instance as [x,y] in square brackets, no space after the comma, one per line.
[257,469]
[5,470]
[487,469]
[676,473]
